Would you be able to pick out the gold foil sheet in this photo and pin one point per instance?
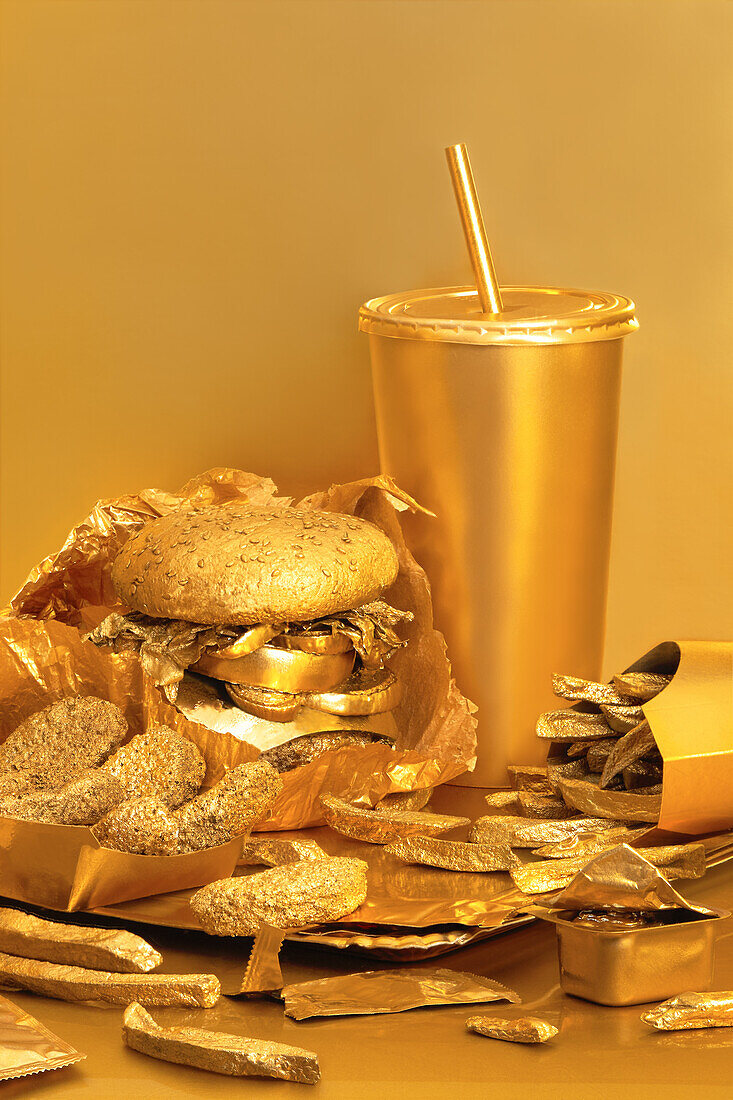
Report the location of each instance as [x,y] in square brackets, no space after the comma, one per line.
[159,763]
[217,1052]
[572,725]
[43,656]
[640,687]
[633,746]
[263,973]
[521,832]
[692,1010]
[273,851]
[242,798]
[452,855]
[622,719]
[27,1046]
[31,937]
[521,1029]
[62,741]
[623,879]
[619,805]
[380,991]
[577,690]
[76,983]
[678,861]
[83,801]
[380,826]
[307,892]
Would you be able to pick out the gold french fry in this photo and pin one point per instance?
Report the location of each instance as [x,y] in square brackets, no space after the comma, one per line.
[619,805]
[452,855]
[572,725]
[622,719]
[31,937]
[585,691]
[692,1010]
[522,1029]
[640,687]
[677,860]
[529,778]
[633,746]
[598,753]
[406,800]
[216,1051]
[76,983]
[522,832]
[546,806]
[380,826]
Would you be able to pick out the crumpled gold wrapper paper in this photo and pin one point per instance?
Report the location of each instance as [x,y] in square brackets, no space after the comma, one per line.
[27,1046]
[217,1052]
[43,657]
[692,1010]
[380,991]
[32,937]
[76,983]
[678,861]
[624,879]
[523,1029]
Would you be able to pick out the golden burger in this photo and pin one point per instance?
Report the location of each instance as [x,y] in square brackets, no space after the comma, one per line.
[282,606]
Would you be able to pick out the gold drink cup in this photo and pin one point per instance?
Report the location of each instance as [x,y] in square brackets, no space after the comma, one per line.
[505,426]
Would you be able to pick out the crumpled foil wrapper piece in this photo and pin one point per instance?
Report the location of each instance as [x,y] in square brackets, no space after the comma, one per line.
[217,1052]
[263,973]
[60,742]
[692,1010]
[619,806]
[522,1029]
[27,1046]
[678,861]
[31,937]
[43,656]
[453,855]
[382,826]
[307,892]
[76,983]
[160,763]
[577,690]
[83,801]
[623,879]
[272,851]
[380,991]
[522,832]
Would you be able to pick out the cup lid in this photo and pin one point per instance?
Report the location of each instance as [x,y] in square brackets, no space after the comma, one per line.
[531,315]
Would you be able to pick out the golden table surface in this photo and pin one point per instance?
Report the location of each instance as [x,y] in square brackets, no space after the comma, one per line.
[599,1052]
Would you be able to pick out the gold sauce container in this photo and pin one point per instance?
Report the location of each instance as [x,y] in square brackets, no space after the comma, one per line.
[505,426]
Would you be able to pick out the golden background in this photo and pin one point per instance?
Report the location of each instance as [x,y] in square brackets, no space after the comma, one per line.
[199,195]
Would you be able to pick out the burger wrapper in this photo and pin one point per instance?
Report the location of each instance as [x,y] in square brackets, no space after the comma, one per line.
[27,1046]
[692,723]
[43,656]
[380,991]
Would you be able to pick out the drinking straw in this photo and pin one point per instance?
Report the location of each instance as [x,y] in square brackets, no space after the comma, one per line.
[473,228]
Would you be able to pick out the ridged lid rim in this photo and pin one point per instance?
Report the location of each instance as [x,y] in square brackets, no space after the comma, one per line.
[604,317]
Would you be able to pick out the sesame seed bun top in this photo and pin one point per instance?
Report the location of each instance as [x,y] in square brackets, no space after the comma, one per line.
[241,564]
